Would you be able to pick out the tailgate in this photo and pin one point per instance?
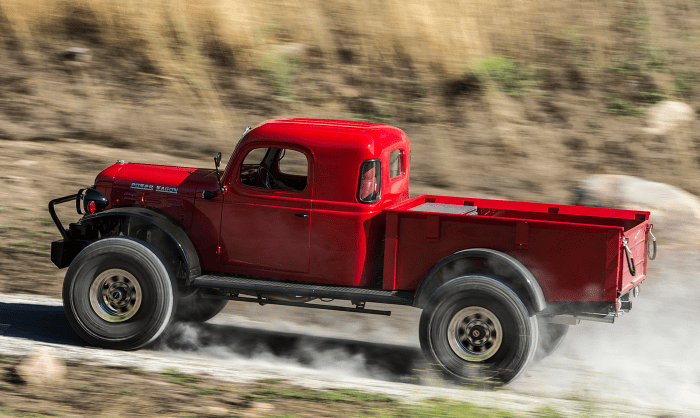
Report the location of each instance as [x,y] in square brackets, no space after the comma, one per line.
[637,244]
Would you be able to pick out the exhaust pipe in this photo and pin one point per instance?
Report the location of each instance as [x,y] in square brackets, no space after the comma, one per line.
[586,316]
[607,318]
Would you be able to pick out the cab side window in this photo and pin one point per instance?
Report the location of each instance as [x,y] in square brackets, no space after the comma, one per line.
[395,163]
[294,163]
[276,169]
[290,170]
[251,166]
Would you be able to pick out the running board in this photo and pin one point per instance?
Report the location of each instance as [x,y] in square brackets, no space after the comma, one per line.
[264,287]
[359,308]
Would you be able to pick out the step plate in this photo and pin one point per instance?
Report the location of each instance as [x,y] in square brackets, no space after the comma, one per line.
[302,289]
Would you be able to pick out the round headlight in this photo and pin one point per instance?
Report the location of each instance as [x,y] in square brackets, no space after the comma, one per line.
[92,201]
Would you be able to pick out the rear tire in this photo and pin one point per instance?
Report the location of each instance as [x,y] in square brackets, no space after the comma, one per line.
[193,307]
[118,294]
[478,331]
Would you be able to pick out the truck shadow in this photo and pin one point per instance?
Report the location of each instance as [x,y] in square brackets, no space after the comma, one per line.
[334,355]
[48,324]
[41,323]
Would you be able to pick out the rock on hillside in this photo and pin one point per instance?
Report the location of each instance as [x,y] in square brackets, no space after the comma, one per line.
[675,213]
[41,367]
[668,116]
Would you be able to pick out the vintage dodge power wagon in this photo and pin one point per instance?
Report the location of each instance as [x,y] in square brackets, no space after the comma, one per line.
[320,209]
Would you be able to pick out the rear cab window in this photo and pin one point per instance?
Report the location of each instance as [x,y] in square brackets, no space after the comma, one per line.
[370,183]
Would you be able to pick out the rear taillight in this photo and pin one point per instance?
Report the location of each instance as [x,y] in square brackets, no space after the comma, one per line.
[91,206]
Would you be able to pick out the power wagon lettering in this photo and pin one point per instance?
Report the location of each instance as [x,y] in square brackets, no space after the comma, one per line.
[140,186]
[163,189]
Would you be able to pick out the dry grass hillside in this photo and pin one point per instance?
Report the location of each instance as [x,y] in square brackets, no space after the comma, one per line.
[518,99]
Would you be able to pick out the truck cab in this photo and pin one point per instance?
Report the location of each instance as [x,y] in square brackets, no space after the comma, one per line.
[304,201]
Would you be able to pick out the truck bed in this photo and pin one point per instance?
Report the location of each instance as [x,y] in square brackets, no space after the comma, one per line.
[575,252]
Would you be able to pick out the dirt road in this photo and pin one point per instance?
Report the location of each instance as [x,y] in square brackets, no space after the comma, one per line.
[646,364]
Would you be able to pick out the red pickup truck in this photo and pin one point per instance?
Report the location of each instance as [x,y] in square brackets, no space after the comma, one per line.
[311,209]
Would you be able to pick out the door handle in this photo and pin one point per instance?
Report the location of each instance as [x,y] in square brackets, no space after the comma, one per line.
[301,215]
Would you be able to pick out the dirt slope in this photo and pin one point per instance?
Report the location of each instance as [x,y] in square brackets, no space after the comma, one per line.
[600,370]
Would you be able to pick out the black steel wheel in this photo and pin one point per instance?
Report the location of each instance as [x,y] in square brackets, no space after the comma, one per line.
[118,293]
[193,307]
[478,331]
[550,337]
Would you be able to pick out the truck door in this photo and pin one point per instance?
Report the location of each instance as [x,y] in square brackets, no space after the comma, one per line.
[266,216]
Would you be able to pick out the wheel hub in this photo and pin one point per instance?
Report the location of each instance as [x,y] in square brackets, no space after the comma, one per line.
[475,333]
[115,295]
[478,333]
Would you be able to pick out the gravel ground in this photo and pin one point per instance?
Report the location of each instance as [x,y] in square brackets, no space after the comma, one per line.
[646,364]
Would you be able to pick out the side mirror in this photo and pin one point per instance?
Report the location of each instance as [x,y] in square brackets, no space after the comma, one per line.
[217,163]
[208,194]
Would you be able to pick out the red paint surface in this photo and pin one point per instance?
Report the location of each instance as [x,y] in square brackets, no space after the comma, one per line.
[261,229]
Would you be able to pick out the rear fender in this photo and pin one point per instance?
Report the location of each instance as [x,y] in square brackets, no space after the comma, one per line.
[483,261]
[156,228]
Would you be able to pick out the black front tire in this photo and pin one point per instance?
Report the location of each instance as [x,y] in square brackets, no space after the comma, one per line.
[478,331]
[193,307]
[119,294]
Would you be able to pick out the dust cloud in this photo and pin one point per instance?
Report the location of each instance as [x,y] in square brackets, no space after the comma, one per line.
[649,357]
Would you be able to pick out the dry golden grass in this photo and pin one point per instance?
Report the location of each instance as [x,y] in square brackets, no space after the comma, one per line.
[514,84]
[446,34]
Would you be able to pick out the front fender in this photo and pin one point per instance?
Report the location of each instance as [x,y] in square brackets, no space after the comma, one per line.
[178,238]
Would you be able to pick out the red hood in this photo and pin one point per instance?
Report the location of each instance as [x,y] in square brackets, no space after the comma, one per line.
[166,188]
[170,180]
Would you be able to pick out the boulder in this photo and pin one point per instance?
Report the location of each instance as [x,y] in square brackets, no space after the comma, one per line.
[77,55]
[675,213]
[41,367]
[216,411]
[261,408]
[668,116]
[294,49]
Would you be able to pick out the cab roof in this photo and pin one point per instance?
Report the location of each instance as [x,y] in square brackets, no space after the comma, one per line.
[338,148]
[324,133]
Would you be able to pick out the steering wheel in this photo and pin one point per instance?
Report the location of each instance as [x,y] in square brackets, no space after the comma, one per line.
[265,179]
